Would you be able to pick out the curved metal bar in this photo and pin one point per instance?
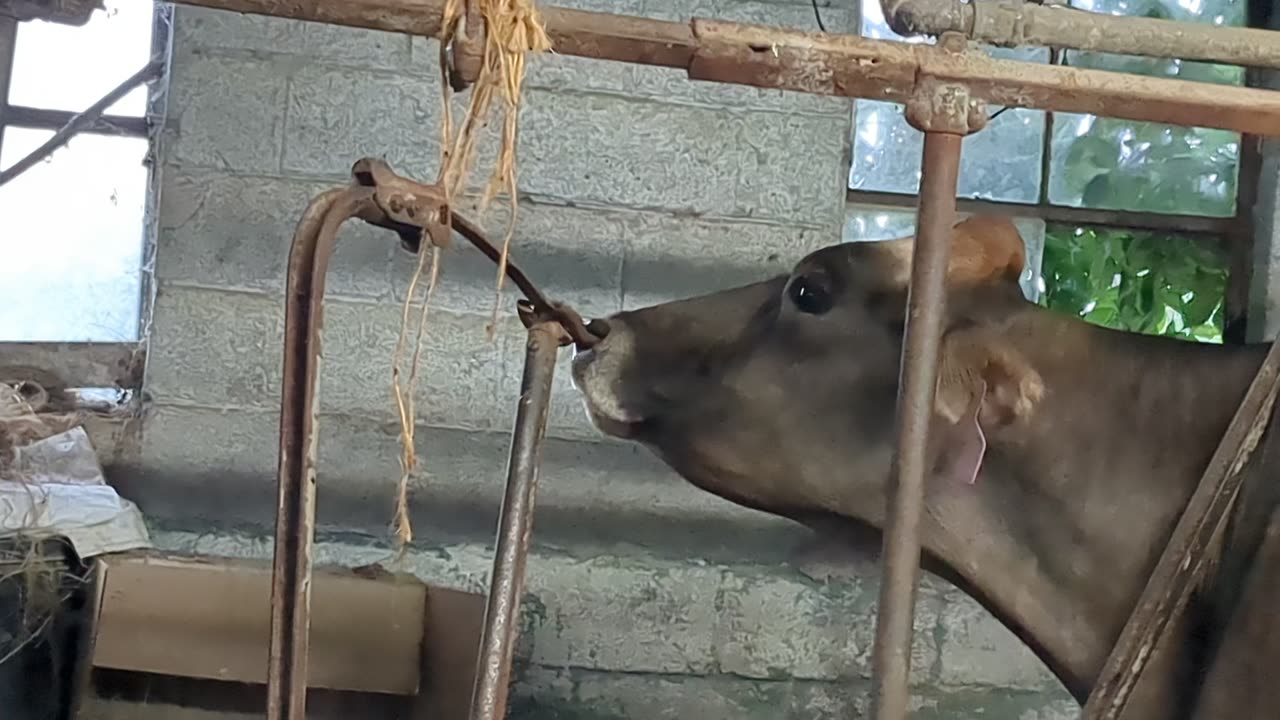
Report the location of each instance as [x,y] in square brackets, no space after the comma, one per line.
[414,211]
[313,245]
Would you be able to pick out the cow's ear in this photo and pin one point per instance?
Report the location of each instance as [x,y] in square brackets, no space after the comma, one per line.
[984,249]
[974,359]
[984,386]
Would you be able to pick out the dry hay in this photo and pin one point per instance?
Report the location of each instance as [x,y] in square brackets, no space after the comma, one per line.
[41,583]
[512,28]
[30,413]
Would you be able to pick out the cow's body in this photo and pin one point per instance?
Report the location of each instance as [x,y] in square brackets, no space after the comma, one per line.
[780,395]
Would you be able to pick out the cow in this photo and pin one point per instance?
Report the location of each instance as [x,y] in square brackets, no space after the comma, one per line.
[1062,453]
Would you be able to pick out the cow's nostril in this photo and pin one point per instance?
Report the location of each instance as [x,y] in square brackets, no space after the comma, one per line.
[599,328]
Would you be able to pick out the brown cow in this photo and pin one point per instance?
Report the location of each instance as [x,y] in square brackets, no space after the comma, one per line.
[779,396]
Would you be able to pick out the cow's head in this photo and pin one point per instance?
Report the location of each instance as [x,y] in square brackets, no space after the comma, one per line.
[780,395]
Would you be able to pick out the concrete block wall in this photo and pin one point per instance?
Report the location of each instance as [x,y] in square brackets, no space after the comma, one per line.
[648,599]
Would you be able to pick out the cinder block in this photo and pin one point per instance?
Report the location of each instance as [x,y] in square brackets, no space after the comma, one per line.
[978,650]
[355,46]
[667,615]
[225,113]
[551,71]
[669,258]
[224,349]
[793,168]
[224,30]
[774,628]
[778,627]
[234,444]
[197,27]
[215,348]
[235,232]
[337,116]
[620,151]
[572,255]
[210,467]
[457,374]
[543,694]
[836,700]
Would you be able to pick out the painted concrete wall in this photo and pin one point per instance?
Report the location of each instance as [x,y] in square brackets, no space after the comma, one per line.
[648,599]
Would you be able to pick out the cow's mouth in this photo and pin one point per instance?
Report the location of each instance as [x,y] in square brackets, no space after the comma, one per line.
[600,397]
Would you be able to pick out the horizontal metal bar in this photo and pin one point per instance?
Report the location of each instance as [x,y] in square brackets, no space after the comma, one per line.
[852,66]
[42,119]
[1014,24]
[821,63]
[74,365]
[1216,227]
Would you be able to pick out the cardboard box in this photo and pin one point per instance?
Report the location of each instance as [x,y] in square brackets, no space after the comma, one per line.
[210,618]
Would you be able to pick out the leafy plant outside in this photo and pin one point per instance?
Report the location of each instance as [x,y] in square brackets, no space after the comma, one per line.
[1161,284]
[1137,281]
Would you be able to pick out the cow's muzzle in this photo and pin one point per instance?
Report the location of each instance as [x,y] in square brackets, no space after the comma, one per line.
[598,375]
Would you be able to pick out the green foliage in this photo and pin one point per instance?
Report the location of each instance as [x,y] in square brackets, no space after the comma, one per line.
[1136,281]
[1122,165]
[1139,281]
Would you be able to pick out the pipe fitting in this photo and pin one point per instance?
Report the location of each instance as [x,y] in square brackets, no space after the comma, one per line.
[946,108]
[926,17]
[464,50]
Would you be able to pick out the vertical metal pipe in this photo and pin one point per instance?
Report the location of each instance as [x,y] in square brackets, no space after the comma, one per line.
[309,255]
[891,657]
[489,698]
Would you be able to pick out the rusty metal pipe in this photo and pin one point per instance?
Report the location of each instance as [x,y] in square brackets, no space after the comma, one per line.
[489,697]
[415,212]
[313,245]
[891,656]
[827,64]
[1015,23]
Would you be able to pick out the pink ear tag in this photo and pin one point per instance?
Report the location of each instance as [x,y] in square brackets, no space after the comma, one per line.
[963,445]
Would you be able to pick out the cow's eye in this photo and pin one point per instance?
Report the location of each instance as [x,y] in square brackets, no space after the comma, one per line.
[810,295]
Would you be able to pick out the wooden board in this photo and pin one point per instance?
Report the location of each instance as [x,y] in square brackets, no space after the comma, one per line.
[209,618]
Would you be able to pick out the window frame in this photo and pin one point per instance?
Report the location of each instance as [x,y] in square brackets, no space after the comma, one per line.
[97,364]
[1235,232]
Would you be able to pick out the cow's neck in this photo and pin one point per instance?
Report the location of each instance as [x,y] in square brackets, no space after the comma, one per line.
[1070,515]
